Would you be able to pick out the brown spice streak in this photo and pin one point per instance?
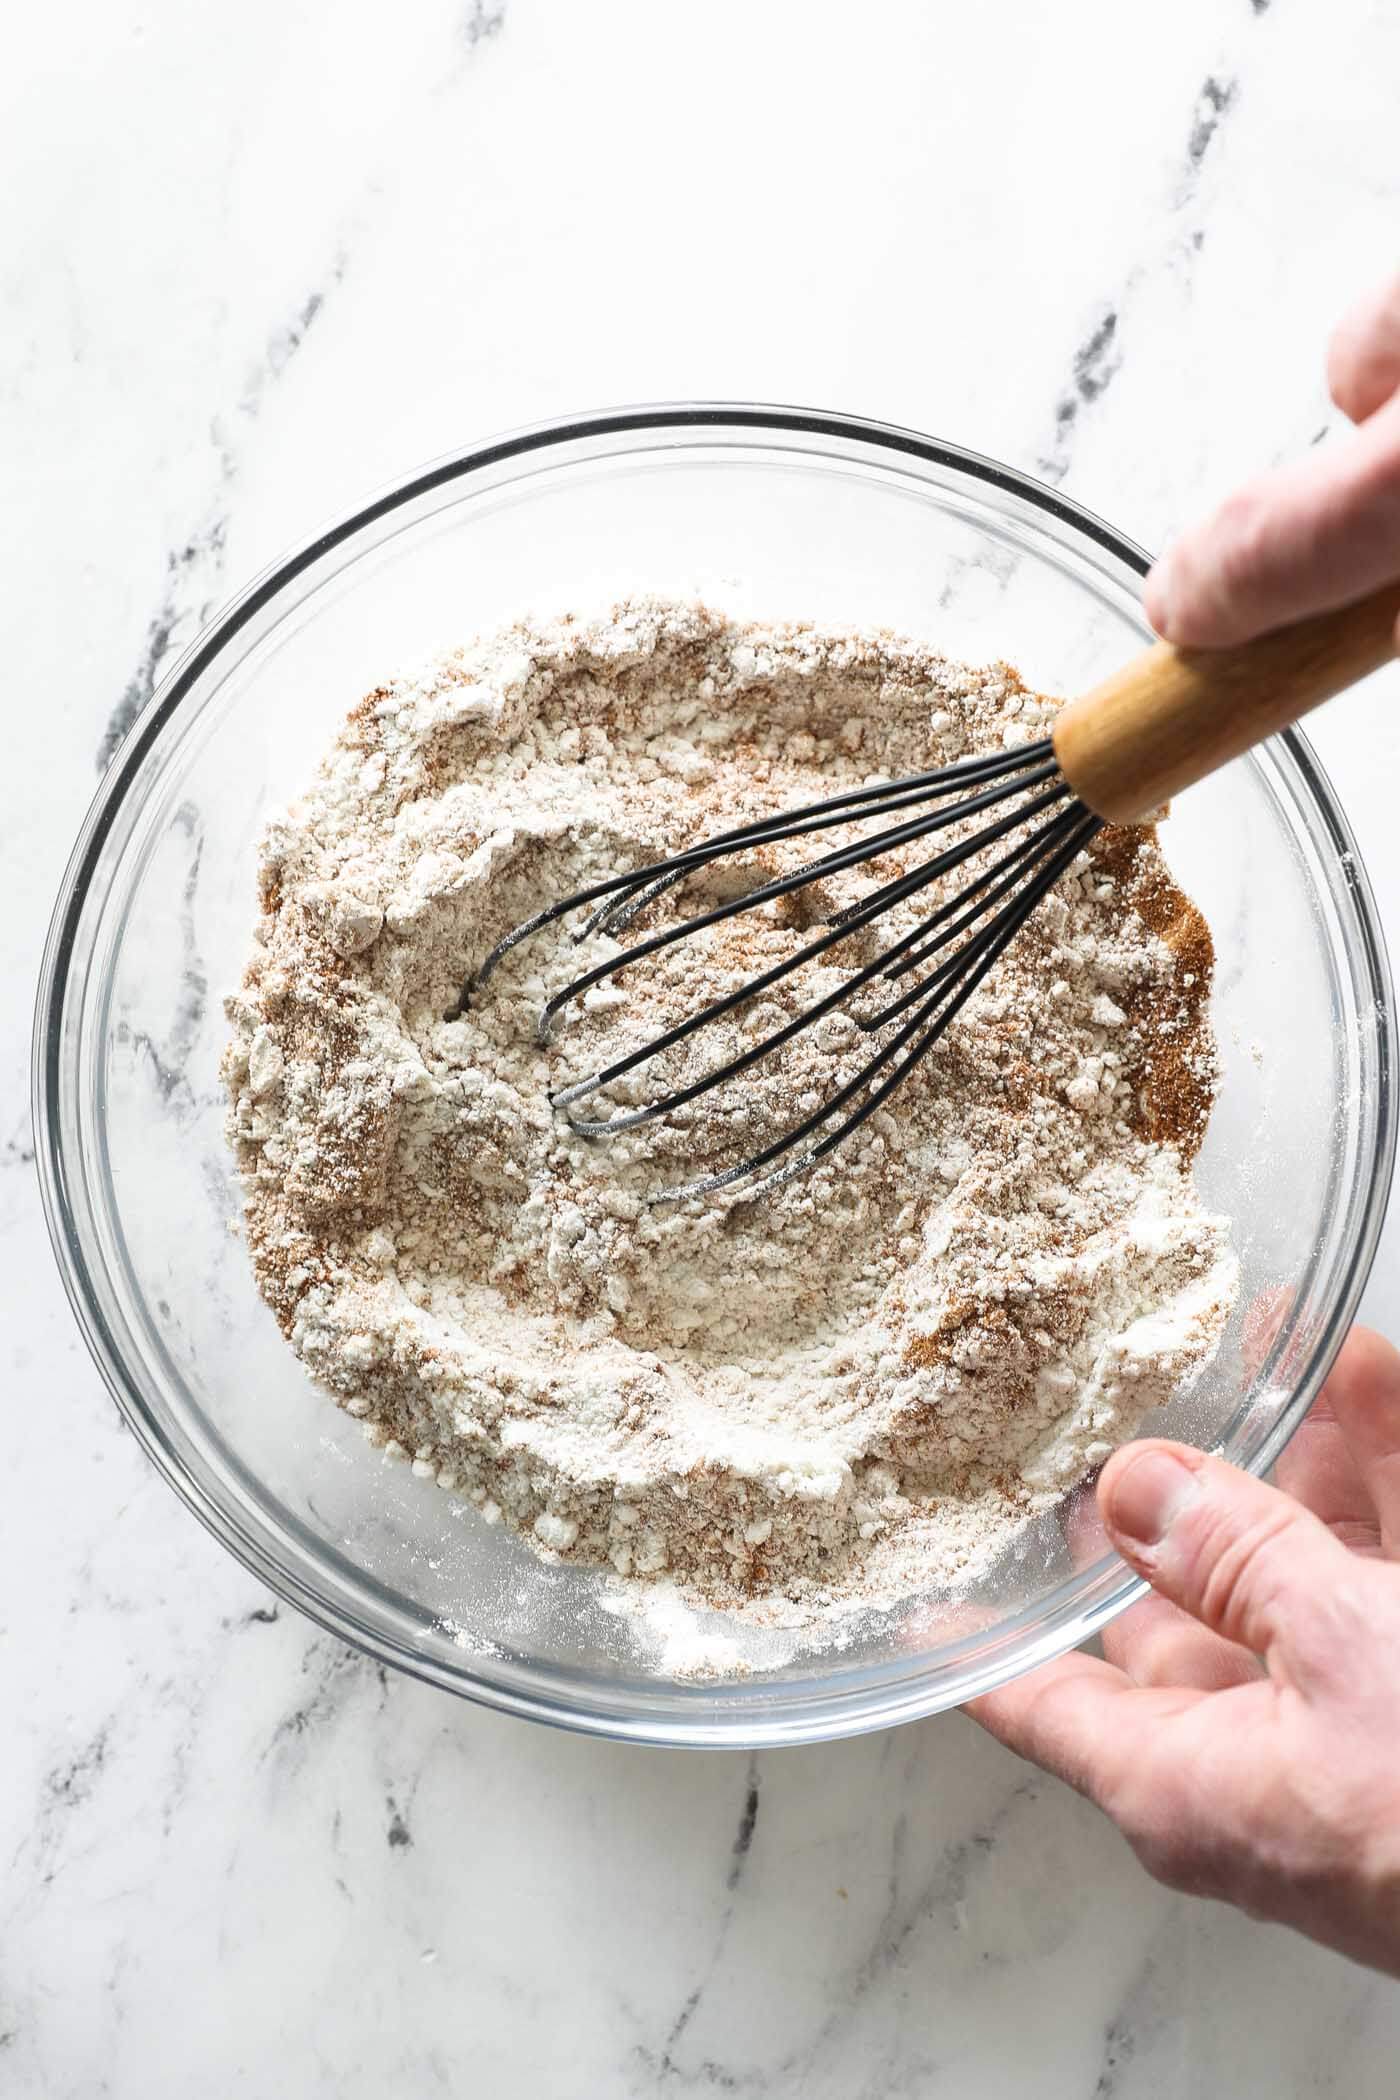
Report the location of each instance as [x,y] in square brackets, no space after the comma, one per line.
[1176,1070]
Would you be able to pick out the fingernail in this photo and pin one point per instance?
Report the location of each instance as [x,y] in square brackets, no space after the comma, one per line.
[1157,596]
[1148,1494]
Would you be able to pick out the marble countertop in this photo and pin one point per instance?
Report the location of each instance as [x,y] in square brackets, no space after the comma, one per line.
[255,263]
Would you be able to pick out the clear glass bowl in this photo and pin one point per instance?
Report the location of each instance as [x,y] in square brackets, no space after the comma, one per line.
[765,511]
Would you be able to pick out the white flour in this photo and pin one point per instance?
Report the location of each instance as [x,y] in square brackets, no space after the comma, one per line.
[852,1387]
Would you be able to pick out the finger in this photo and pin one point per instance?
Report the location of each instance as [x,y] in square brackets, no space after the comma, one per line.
[1363,359]
[1234,1553]
[1081,1719]
[1300,540]
[1364,1394]
[1318,1469]
[1154,1643]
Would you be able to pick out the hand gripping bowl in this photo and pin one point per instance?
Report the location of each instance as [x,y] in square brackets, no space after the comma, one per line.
[766,511]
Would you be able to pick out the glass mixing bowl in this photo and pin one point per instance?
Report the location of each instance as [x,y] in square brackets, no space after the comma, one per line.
[767,512]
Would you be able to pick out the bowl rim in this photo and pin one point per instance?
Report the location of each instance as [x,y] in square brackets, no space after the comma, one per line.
[861,1710]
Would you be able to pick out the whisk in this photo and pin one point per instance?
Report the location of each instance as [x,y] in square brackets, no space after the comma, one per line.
[1163,722]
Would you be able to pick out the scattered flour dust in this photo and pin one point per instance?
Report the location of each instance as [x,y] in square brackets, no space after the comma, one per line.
[847,1393]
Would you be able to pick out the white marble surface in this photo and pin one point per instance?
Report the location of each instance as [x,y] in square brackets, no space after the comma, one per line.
[255,261]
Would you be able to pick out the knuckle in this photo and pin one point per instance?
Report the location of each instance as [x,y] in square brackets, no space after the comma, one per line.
[1245,1568]
[1180,1864]
[1169,1828]
[1184,1854]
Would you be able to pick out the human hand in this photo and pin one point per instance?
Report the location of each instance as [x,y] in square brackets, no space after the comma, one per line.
[1305,537]
[1244,1730]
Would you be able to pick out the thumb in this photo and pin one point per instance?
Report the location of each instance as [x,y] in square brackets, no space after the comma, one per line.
[1245,1560]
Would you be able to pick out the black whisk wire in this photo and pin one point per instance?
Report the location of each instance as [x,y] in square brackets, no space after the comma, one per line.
[982,917]
[762,831]
[849,923]
[933,1012]
[784,885]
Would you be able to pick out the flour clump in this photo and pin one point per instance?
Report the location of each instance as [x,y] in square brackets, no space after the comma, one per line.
[857,1385]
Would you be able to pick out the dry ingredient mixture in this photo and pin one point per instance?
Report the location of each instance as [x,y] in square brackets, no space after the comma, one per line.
[853,1388]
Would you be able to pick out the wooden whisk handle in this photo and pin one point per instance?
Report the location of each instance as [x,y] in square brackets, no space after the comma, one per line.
[1173,715]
